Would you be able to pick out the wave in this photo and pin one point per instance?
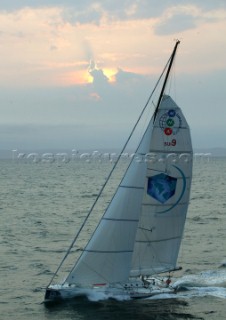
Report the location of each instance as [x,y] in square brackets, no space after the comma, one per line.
[208,283]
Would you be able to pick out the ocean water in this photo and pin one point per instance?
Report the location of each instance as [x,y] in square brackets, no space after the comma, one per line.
[42,206]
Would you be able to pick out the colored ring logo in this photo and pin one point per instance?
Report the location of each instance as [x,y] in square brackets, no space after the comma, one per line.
[170,122]
[168,131]
[171,113]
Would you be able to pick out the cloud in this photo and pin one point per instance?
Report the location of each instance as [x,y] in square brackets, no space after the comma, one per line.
[123,76]
[94,115]
[175,24]
[88,11]
[181,18]
[171,17]
[46,48]
[99,79]
[79,116]
[83,14]
[87,49]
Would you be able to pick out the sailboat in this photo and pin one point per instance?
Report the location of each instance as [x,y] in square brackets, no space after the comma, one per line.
[138,238]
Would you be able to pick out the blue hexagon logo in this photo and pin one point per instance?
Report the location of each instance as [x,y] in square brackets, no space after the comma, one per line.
[161,187]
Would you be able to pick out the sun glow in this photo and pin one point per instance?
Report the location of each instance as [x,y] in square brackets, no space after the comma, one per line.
[85,76]
[76,78]
[110,74]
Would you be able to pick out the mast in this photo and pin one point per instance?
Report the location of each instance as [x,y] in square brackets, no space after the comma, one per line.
[166,78]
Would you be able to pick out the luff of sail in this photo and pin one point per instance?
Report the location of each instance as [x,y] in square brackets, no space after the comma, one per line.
[166,193]
[108,255]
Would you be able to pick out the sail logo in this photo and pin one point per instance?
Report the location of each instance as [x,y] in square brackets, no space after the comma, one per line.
[161,187]
[170,122]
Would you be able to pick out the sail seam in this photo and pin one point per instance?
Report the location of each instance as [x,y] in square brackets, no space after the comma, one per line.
[132,187]
[100,251]
[178,178]
[151,241]
[167,151]
[126,220]
[176,108]
[162,204]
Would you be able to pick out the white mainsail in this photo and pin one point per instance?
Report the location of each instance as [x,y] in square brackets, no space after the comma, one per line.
[166,193]
[141,230]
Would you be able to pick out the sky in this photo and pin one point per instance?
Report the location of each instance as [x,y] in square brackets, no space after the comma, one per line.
[76,74]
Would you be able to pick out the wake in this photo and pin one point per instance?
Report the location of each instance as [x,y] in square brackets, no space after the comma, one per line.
[207,283]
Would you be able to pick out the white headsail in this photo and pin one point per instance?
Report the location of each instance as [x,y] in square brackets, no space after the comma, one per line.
[108,255]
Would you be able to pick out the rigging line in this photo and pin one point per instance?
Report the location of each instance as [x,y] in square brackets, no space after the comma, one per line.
[106,181]
[95,271]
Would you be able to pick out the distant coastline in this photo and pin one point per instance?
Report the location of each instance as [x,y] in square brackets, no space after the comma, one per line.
[215,152]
